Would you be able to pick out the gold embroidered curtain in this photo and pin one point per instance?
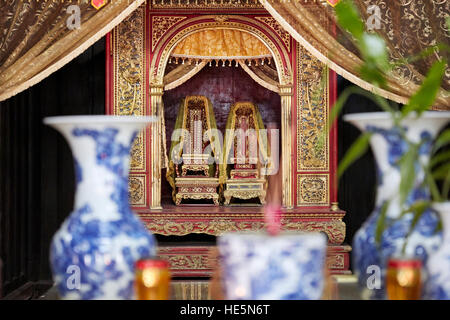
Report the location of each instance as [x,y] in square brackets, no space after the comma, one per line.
[408,27]
[221,44]
[224,46]
[39,37]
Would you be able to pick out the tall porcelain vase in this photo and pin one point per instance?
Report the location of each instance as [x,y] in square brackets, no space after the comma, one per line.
[438,285]
[369,259]
[93,253]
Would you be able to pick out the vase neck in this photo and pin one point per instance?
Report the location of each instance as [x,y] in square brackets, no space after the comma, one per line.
[103,168]
[388,144]
[101,155]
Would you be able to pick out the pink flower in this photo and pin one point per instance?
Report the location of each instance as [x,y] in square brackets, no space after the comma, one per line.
[272,217]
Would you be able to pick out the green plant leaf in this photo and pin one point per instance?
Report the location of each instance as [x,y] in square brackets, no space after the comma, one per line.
[343,97]
[442,140]
[375,57]
[381,222]
[431,183]
[371,73]
[374,49]
[429,51]
[438,227]
[441,172]
[348,17]
[356,150]
[425,96]
[417,209]
[407,171]
[446,186]
[439,158]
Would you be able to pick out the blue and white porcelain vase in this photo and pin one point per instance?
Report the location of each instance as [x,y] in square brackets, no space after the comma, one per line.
[263,267]
[388,146]
[93,253]
[438,284]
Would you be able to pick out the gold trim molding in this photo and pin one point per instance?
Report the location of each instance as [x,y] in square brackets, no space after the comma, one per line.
[206,4]
[283,34]
[286,147]
[334,229]
[156,92]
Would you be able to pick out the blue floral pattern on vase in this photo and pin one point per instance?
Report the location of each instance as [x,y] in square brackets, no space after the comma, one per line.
[388,147]
[284,267]
[92,255]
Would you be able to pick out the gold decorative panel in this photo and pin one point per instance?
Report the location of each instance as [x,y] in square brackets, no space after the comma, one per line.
[160,25]
[136,188]
[129,76]
[272,23]
[137,161]
[129,66]
[312,189]
[187,261]
[336,261]
[312,113]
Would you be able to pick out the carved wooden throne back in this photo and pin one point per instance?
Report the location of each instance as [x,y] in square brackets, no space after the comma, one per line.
[195,124]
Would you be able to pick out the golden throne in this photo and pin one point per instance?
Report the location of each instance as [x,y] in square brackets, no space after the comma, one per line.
[194,150]
[245,154]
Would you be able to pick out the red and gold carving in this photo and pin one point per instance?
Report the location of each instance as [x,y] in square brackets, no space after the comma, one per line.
[312,110]
[160,25]
[129,74]
[137,189]
[137,160]
[196,5]
[284,35]
[197,261]
[185,224]
[136,75]
[312,190]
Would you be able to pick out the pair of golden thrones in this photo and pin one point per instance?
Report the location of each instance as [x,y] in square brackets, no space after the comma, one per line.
[202,166]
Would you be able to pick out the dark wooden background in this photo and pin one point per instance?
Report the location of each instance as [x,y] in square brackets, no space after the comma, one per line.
[36,172]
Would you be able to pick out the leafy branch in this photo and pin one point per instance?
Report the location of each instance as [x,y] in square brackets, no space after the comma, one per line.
[374,69]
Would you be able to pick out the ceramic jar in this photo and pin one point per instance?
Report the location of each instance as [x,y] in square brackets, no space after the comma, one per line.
[283,267]
[93,253]
[388,146]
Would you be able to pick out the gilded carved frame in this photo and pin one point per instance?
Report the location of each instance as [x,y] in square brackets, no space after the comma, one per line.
[282,61]
[147,69]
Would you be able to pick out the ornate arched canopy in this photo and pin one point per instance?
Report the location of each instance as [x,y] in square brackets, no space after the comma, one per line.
[188,27]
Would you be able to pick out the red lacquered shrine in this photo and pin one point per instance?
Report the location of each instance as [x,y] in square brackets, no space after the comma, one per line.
[189,63]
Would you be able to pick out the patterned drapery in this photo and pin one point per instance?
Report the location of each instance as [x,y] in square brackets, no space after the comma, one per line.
[226,47]
[407,26]
[39,37]
[221,44]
